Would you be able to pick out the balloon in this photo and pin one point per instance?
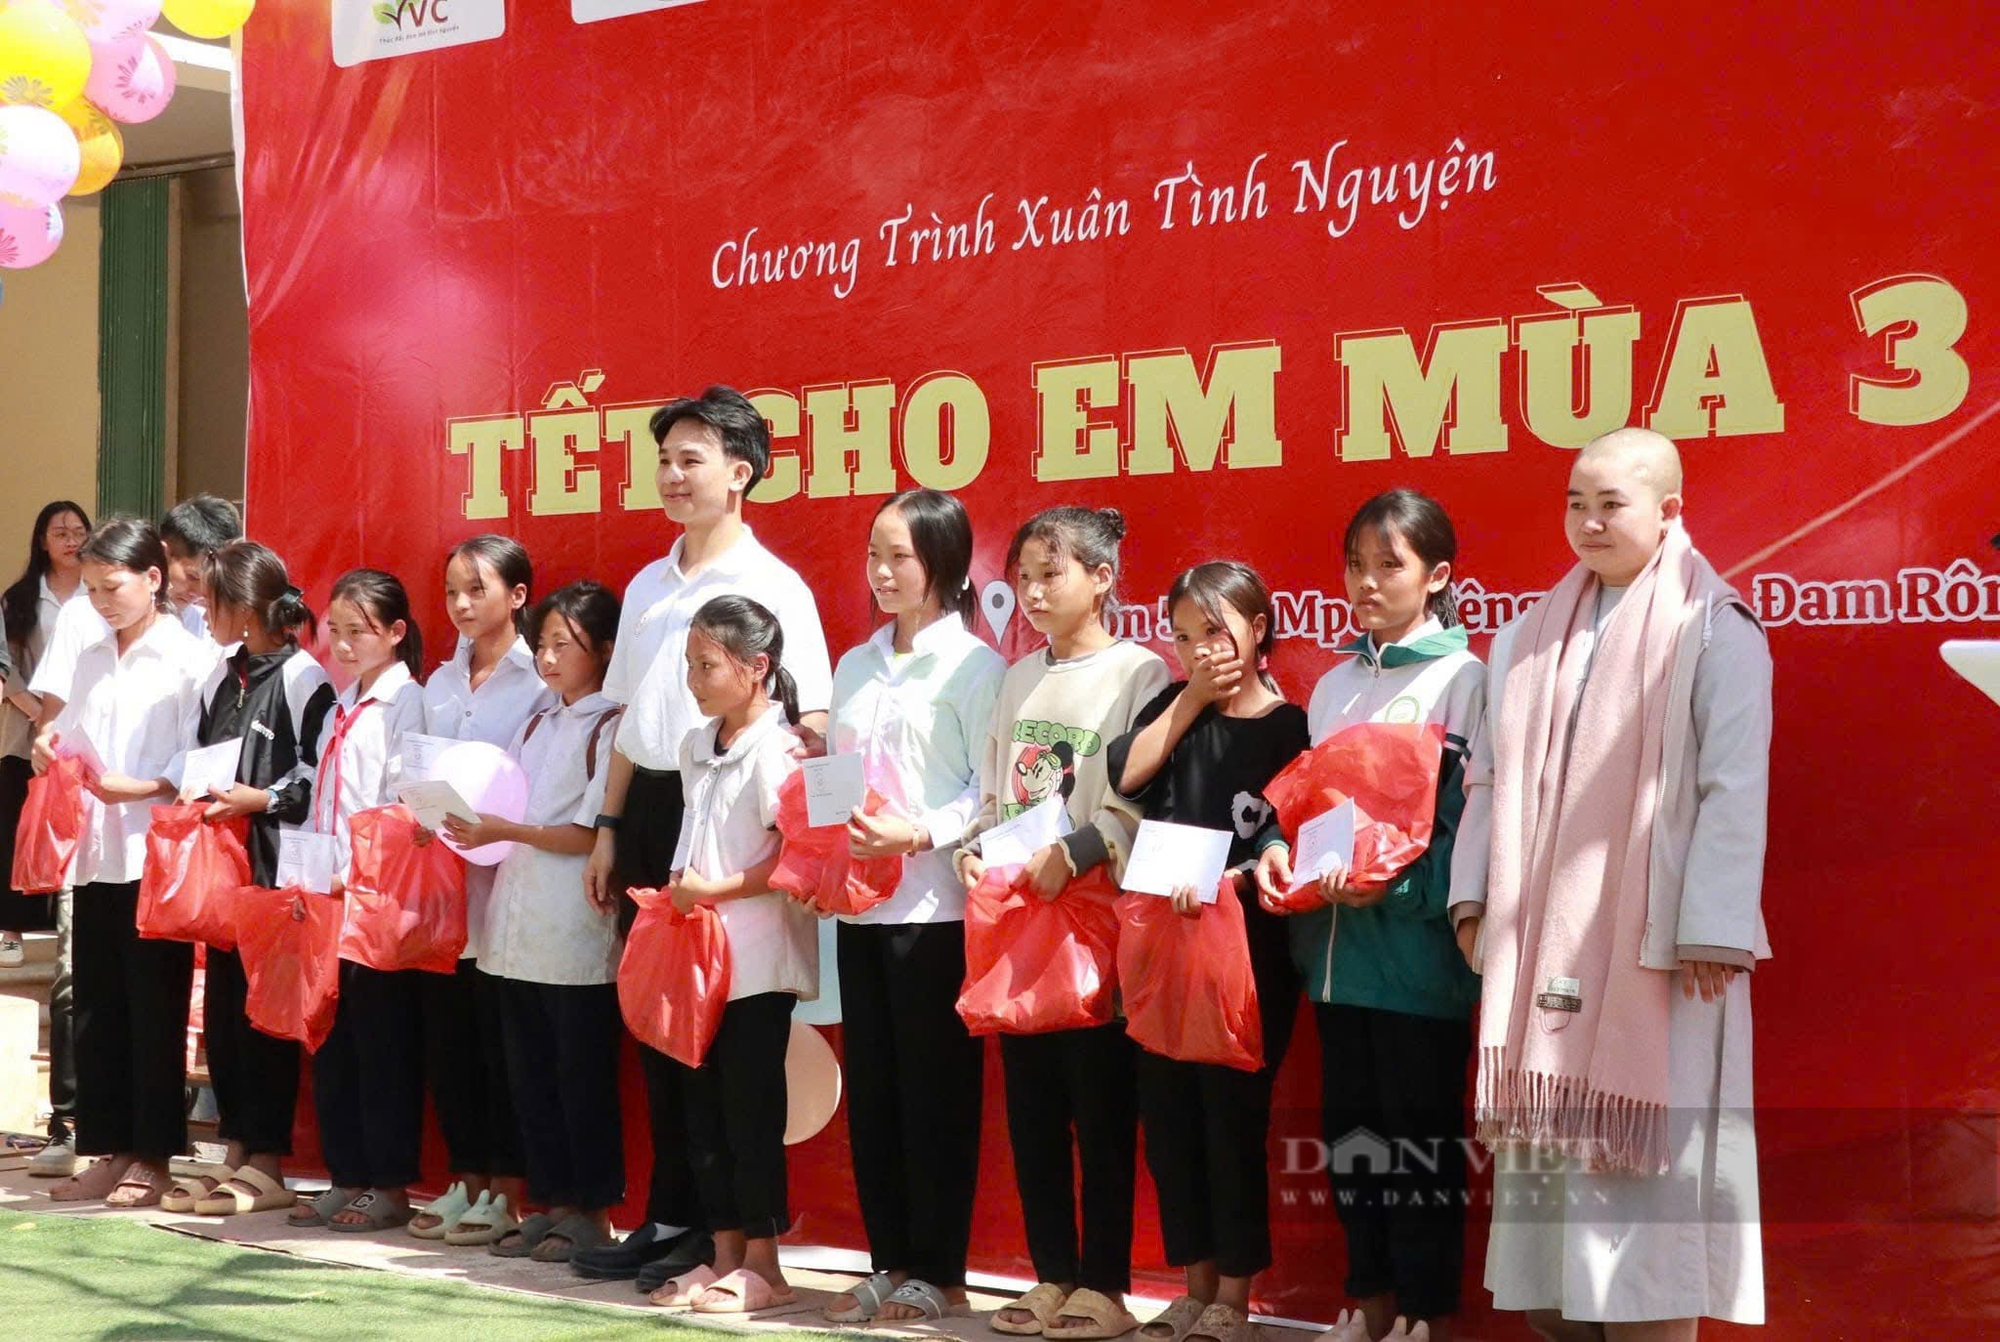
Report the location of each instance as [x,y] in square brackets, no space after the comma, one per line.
[131,78]
[100,143]
[39,158]
[812,1084]
[44,56]
[492,783]
[29,234]
[108,20]
[208,18]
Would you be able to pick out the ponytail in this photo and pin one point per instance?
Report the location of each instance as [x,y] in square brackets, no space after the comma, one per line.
[785,690]
[252,577]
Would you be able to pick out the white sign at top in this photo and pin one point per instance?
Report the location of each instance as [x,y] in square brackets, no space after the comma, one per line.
[374,30]
[590,11]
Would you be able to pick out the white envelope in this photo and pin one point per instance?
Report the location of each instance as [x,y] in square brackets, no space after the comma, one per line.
[307,858]
[1326,844]
[1166,855]
[432,802]
[211,768]
[1012,844]
[420,752]
[75,744]
[835,789]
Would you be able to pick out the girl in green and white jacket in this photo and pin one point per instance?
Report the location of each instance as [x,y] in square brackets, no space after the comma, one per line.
[1392,993]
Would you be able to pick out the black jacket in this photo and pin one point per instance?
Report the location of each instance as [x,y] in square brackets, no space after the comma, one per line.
[276,702]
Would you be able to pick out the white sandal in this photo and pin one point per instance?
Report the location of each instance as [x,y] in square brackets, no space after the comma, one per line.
[451,1207]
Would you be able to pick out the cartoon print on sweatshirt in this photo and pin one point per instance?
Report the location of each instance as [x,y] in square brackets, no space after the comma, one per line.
[1041,772]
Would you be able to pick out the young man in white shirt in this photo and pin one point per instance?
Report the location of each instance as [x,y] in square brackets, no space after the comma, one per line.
[193,530]
[714,448]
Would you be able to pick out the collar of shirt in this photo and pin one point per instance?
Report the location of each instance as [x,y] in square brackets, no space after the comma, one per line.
[771,720]
[161,639]
[933,639]
[742,554]
[588,706]
[520,654]
[393,678]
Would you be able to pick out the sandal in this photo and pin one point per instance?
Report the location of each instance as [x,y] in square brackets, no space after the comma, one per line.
[191,1185]
[519,1240]
[918,1294]
[1045,1303]
[382,1214]
[679,1293]
[1101,1318]
[868,1294]
[320,1209]
[743,1292]
[567,1236]
[1221,1323]
[488,1220]
[266,1194]
[138,1190]
[1173,1323]
[90,1184]
[448,1208]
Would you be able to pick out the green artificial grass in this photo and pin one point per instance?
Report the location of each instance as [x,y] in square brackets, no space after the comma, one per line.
[72,1277]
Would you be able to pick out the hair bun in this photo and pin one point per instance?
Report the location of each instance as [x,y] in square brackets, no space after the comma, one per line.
[1114,522]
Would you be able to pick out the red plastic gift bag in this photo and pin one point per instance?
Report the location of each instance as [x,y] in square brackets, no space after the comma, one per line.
[673,981]
[290,943]
[192,870]
[405,904]
[50,828]
[1034,965]
[1189,993]
[1390,771]
[815,866]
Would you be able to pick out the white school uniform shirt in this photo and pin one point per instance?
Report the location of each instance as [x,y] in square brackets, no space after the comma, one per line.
[919,722]
[363,773]
[77,626]
[648,670]
[539,927]
[140,709]
[732,805]
[494,713]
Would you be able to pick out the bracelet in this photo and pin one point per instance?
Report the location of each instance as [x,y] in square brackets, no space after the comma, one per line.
[609,822]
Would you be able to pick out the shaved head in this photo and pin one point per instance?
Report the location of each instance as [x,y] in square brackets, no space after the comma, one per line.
[1650,457]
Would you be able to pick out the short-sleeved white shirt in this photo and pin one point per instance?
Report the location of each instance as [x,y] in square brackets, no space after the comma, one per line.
[77,626]
[648,671]
[364,772]
[732,806]
[140,710]
[539,927]
[495,712]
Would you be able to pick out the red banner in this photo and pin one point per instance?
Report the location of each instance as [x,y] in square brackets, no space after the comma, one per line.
[1233,269]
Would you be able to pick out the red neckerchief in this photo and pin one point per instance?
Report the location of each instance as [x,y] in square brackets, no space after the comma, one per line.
[329,762]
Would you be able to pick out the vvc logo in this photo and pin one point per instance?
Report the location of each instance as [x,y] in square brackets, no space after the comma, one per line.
[412,13]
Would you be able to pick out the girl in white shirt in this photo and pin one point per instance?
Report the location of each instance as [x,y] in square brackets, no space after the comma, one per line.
[735,1102]
[368,1078]
[914,702]
[486,691]
[550,952]
[135,700]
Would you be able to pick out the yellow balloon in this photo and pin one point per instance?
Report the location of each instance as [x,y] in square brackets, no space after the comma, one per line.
[44,56]
[103,148]
[208,18]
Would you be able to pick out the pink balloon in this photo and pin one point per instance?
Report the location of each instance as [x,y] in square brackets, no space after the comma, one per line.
[29,235]
[107,20]
[39,157]
[492,783]
[131,77]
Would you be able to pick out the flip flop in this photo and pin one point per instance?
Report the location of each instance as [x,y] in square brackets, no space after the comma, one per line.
[519,1240]
[1103,1318]
[680,1292]
[382,1214]
[1220,1323]
[450,1208]
[186,1191]
[147,1192]
[489,1219]
[1178,1318]
[743,1292]
[320,1209]
[934,1303]
[869,1294]
[1044,1302]
[228,1201]
[567,1236]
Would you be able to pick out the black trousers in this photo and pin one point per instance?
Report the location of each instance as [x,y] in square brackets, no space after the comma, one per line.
[736,1107]
[1400,1078]
[18,912]
[1208,1127]
[465,1061]
[131,1029]
[1082,1081]
[62,1017]
[562,1065]
[646,839]
[368,1079]
[256,1077]
[915,1084]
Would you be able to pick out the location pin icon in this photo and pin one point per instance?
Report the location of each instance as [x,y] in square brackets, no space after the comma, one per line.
[996,599]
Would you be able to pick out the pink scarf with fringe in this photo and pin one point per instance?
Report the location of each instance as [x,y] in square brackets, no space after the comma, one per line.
[1573,1029]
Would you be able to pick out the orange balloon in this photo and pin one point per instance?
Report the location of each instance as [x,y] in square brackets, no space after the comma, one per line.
[99,142]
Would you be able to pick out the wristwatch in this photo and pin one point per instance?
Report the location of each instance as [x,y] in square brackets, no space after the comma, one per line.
[273,799]
[609,822]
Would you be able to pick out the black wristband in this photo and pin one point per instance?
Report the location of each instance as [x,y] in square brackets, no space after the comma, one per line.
[609,822]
